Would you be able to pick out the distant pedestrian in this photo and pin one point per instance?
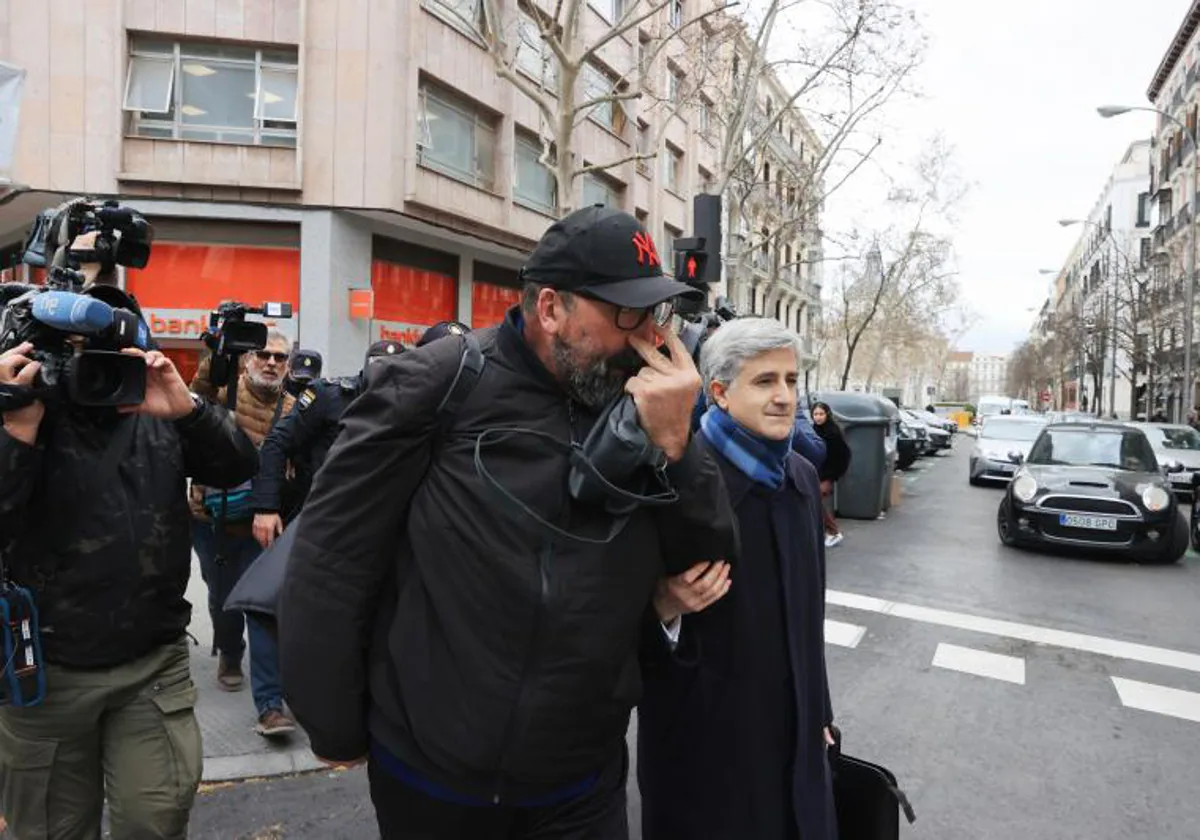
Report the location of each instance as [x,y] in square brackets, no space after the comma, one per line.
[837,461]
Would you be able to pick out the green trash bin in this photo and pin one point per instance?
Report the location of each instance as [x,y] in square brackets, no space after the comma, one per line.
[869,423]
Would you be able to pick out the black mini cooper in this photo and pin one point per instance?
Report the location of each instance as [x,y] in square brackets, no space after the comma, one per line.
[1096,487]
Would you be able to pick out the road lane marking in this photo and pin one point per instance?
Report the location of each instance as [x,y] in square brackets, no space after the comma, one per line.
[842,634]
[1149,697]
[1116,648]
[981,663]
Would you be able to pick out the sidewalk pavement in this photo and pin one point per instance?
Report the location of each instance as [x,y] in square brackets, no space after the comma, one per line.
[232,749]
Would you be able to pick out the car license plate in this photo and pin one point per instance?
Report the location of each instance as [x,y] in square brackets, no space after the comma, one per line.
[1093,523]
[1182,478]
[1007,467]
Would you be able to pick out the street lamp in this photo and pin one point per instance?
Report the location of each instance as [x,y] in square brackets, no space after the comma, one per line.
[1107,111]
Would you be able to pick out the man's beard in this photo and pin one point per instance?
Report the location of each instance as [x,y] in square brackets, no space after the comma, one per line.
[594,382]
[264,388]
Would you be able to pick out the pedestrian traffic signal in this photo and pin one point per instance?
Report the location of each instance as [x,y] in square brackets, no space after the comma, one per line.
[690,266]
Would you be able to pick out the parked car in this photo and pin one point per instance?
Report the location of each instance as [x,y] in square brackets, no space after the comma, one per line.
[1175,445]
[936,437]
[1095,486]
[999,446]
[908,446]
[937,421]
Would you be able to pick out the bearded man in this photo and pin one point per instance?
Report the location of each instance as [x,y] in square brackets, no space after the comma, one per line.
[482,662]
[224,557]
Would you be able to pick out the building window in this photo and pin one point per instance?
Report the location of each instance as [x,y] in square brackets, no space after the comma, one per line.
[455,138]
[643,57]
[596,85]
[674,84]
[667,249]
[534,56]
[1144,252]
[211,92]
[1143,210]
[706,180]
[704,119]
[672,169]
[533,181]
[467,16]
[644,147]
[610,10]
[675,18]
[600,190]
[736,69]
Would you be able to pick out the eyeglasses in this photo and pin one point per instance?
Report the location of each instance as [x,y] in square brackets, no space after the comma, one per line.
[629,319]
[266,356]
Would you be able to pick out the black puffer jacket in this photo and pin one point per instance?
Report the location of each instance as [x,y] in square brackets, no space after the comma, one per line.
[105,543]
[492,660]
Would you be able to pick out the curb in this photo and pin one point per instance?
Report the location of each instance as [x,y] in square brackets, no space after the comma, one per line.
[235,768]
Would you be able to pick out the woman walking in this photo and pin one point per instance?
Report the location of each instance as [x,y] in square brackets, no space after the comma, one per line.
[733,724]
[837,461]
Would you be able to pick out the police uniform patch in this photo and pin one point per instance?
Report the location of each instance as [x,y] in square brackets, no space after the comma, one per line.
[454,329]
[307,398]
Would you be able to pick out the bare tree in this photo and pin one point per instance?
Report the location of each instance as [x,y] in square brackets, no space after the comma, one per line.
[556,58]
[908,275]
[837,75]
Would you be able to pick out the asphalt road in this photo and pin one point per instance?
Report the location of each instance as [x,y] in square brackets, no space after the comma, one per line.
[1036,742]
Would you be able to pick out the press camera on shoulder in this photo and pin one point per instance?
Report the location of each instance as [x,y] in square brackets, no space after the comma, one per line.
[78,323]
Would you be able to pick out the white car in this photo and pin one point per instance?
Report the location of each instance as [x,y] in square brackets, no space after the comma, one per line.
[1002,443]
[1177,448]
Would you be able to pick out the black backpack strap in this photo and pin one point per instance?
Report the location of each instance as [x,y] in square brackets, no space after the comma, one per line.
[470,368]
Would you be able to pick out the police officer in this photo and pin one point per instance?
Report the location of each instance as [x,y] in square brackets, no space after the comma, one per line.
[303,437]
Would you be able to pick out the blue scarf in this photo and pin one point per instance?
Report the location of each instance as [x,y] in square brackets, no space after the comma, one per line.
[760,459]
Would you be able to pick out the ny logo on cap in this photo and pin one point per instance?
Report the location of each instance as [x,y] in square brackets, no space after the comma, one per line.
[646,254]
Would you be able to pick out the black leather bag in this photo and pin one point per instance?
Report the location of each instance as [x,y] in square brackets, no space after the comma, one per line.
[866,796]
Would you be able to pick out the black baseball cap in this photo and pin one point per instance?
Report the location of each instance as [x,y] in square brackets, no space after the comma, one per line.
[607,254]
[305,365]
[442,329]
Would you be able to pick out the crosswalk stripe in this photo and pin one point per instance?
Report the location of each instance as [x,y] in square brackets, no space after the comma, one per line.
[1149,697]
[1116,648]
[981,663]
[842,634]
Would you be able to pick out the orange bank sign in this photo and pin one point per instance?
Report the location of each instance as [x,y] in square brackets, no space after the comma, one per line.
[406,334]
[188,323]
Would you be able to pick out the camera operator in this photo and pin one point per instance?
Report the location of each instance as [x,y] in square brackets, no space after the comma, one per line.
[261,400]
[487,668]
[303,439]
[93,520]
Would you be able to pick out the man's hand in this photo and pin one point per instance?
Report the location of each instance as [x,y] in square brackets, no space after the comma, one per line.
[267,526]
[167,395]
[19,370]
[665,393]
[696,589]
[342,765]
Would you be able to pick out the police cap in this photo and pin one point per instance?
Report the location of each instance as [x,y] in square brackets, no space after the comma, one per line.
[442,329]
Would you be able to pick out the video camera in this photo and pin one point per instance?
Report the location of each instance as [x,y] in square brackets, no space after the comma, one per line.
[230,335]
[77,336]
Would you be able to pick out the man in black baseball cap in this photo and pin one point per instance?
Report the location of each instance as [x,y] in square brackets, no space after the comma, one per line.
[594,286]
[430,526]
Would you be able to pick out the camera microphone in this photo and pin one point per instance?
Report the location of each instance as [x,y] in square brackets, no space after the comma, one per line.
[74,313]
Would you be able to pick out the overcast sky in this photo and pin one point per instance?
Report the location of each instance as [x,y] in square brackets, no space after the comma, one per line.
[1013,87]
